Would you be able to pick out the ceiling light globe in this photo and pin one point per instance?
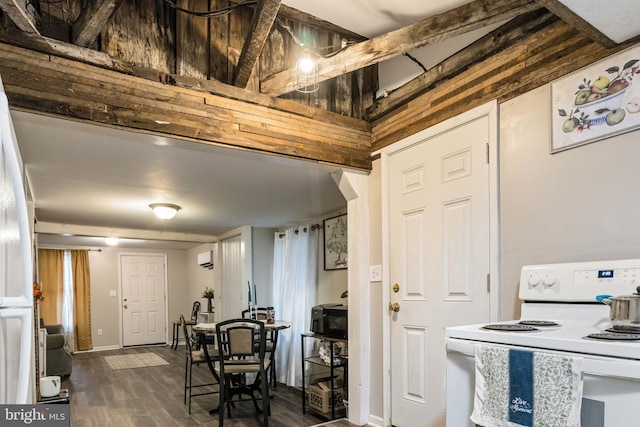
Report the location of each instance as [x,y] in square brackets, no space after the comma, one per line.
[112,241]
[164,210]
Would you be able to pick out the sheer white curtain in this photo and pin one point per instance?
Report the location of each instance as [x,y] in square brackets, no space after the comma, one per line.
[67,302]
[295,272]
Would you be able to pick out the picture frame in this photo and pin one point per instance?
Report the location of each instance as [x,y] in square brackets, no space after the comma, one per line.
[335,242]
[596,102]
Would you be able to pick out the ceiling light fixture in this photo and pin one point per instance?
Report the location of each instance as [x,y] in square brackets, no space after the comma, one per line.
[164,210]
[112,241]
[306,80]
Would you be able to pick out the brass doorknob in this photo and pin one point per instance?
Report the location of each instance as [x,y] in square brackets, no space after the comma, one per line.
[394,306]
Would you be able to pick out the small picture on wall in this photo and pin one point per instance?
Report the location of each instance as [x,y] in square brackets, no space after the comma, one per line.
[596,102]
[335,242]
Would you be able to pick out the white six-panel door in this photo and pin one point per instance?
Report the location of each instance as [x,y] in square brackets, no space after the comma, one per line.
[143,299]
[439,259]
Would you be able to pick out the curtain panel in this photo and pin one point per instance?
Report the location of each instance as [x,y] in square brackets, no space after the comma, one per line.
[295,272]
[81,299]
[52,275]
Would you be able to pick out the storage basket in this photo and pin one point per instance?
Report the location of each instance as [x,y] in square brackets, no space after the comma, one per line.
[319,399]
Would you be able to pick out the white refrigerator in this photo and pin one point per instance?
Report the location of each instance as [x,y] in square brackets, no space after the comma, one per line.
[16,272]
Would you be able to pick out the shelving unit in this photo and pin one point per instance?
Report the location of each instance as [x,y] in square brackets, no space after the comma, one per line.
[330,397]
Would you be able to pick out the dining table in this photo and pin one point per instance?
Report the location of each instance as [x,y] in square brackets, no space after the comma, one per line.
[203,330]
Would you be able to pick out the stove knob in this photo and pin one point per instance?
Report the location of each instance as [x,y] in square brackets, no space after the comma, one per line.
[534,280]
[549,279]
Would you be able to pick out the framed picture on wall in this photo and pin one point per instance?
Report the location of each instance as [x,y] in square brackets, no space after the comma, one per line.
[335,242]
[596,102]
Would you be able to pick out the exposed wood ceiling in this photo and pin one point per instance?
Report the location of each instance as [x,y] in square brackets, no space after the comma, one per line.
[503,43]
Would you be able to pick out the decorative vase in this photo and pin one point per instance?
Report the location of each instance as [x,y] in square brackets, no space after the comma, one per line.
[209,306]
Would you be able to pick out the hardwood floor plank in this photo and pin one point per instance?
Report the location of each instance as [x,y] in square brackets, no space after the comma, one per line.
[153,396]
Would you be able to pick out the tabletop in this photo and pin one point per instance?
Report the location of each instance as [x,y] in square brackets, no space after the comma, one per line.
[275,326]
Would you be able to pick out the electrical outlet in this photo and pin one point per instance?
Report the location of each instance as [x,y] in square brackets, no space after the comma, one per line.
[375,273]
[99,331]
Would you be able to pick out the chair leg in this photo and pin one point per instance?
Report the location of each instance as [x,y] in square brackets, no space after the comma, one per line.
[176,336]
[190,384]
[186,373]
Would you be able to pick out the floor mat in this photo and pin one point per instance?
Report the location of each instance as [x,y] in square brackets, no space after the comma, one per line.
[138,360]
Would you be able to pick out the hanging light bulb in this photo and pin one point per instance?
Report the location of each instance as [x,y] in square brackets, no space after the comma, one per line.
[306,74]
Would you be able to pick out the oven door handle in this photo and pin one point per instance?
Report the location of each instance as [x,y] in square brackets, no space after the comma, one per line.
[591,365]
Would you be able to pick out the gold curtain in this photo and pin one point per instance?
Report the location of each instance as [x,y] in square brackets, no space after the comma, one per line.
[50,270]
[50,274]
[81,299]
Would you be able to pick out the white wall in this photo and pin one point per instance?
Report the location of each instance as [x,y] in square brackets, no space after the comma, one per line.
[262,248]
[581,204]
[104,278]
[331,283]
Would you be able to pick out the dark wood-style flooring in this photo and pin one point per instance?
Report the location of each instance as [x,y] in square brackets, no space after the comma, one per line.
[153,396]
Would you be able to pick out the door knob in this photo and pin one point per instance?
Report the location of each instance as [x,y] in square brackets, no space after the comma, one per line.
[125,306]
[395,307]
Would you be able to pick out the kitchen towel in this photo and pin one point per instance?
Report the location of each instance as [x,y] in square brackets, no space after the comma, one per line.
[517,388]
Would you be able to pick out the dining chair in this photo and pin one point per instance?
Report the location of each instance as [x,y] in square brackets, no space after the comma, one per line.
[194,357]
[260,313]
[238,340]
[190,322]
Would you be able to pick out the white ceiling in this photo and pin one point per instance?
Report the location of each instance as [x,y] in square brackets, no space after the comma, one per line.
[93,176]
[96,176]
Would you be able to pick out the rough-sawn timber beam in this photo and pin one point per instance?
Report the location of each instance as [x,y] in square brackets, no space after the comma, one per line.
[19,13]
[536,60]
[94,16]
[463,19]
[497,40]
[51,85]
[571,18]
[261,23]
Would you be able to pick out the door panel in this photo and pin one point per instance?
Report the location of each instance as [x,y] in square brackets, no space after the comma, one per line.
[439,256]
[143,299]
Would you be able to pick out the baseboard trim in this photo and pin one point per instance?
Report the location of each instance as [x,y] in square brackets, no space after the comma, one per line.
[376,421]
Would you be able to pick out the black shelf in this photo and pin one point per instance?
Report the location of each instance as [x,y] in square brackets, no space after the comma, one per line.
[334,394]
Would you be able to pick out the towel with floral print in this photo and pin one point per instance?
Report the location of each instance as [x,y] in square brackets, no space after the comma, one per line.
[556,389]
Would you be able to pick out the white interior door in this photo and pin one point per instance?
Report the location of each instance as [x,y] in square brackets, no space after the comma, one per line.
[439,258]
[143,285]
[233,286]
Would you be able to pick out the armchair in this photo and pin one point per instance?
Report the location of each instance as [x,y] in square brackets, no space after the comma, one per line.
[58,358]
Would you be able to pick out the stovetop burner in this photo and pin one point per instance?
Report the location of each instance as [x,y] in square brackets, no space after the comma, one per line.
[624,329]
[510,327]
[541,323]
[614,336]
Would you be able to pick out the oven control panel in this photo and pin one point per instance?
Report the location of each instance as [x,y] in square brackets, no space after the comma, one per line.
[580,281]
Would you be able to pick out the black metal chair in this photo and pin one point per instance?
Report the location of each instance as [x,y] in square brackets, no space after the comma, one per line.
[194,357]
[189,322]
[238,340]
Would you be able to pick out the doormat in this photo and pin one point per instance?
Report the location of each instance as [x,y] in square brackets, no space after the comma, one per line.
[137,360]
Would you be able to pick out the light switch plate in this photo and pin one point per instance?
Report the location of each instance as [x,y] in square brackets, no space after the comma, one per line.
[113,293]
[375,273]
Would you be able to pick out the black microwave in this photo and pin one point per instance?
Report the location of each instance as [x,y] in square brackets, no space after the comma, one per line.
[330,320]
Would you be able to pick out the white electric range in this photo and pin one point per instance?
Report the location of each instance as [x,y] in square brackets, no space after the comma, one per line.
[560,313]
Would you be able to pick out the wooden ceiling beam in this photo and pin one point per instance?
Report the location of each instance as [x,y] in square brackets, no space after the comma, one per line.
[263,18]
[92,19]
[497,40]
[463,19]
[573,19]
[21,14]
